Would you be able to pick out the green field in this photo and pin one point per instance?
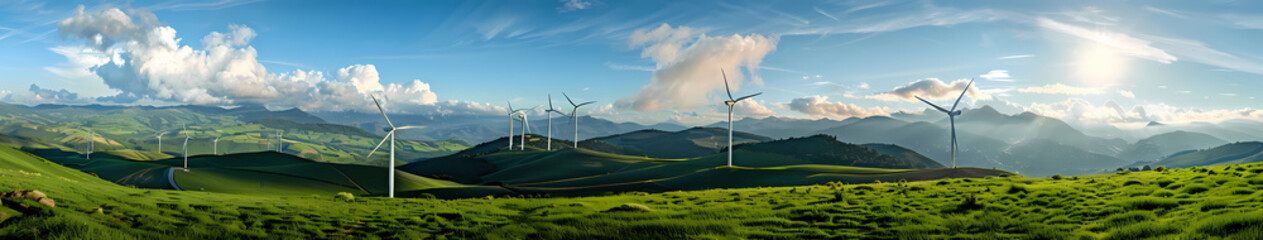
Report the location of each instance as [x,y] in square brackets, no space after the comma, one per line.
[131,132]
[1196,203]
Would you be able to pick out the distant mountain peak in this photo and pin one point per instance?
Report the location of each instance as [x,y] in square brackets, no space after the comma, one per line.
[1154,124]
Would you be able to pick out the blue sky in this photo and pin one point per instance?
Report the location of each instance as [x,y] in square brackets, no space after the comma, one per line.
[1089,62]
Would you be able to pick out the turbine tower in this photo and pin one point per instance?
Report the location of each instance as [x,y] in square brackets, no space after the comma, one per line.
[390,135]
[526,125]
[91,143]
[549,114]
[280,141]
[951,116]
[511,113]
[186,146]
[731,102]
[160,140]
[574,116]
[216,146]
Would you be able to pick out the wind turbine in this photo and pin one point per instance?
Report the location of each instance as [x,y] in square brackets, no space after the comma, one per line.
[186,146]
[574,116]
[91,143]
[390,135]
[731,102]
[280,141]
[216,146]
[549,114]
[160,140]
[951,116]
[511,113]
[526,125]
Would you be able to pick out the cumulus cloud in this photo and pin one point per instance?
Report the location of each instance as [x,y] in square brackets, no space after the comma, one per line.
[751,107]
[931,89]
[689,63]
[1058,88]
[133,54]
[49,94]
[1080,111]
[819,106]
[1126,94]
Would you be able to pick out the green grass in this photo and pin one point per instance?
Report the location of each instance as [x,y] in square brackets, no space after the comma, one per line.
[1089,207]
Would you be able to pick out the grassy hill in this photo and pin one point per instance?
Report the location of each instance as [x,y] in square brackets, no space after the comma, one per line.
[267,173]
[690,143]
[1201,203]
[795,161]
[1240,152]
[130,131]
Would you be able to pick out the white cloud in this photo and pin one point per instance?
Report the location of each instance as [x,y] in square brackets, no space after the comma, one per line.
[573,5]
[1245,21]
[863,85]
[751,107]
[1199,52]
[931,89]
[141,59]
[826,14]
[688,68]
[1080,111]
[1164,12]
[1017,56]
[1059,88]
[1127,45]
[1126,94]
[819,106]
[997,75]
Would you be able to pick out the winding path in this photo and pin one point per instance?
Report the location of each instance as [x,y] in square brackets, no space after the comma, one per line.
[171,178]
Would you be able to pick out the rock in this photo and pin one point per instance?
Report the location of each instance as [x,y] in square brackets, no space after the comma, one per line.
[630,207]
[35,195]
[47,201]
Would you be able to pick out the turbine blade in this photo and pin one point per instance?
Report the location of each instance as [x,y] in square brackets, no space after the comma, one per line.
[744,98]
[932,104]
[586,103]
[726,89]
[962,94]
[379,145]
[550,101]
[567,98]
[383,111]
[510,106]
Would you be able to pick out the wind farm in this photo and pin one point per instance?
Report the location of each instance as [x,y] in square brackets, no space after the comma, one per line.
[825,120]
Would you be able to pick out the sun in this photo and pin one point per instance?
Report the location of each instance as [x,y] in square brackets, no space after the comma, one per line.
[1097,64]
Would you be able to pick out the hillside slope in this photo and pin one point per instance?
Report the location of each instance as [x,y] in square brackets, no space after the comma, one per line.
[1233,153]
[1178,203]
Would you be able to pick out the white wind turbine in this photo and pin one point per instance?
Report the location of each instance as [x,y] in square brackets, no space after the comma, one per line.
[951,116]
[186,146]
[390,135]
[280,141]
[574,116]
[549,114]
[526,126]
[731,102]
[511,113]
[91,143]
[217,146]
[160,140]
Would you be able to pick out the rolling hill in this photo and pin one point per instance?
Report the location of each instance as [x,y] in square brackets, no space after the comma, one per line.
[779,127]
[248,128]
[258,173]
[1130,205]
[794,161]
[689,143]
[1163,145]
[477,129]
[1233,153]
